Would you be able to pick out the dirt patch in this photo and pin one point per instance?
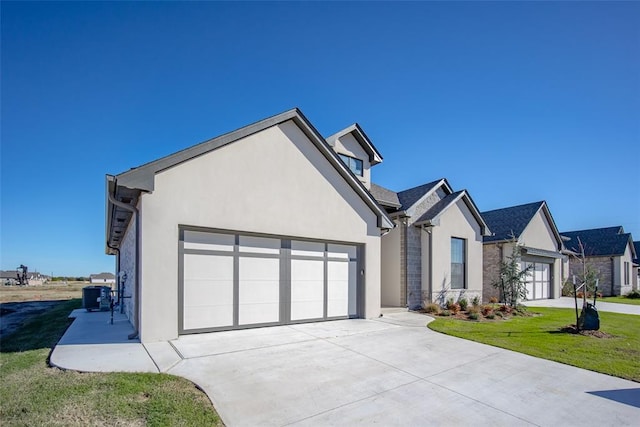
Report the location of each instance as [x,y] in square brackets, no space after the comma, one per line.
[15,314]
[571,329]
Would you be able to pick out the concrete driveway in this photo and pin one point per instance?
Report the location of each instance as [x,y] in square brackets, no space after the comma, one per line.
[390,371]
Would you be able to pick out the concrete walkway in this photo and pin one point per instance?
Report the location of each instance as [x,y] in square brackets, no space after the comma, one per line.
[567,302]
[391,371]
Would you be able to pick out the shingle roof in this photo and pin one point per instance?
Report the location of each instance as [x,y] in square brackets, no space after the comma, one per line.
[384,196]
[436,209]
[409,197]
[598,241]
[509,222]
[636,245]
[102,276]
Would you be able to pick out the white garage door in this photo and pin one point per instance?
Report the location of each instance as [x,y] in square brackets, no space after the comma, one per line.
[231,281]
[538,280]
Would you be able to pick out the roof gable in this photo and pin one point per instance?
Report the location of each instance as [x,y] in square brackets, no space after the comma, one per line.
[363,140]
[510,222]
[636,247]
[410,197]
[385,196]
[430,217]
[608,241]
[128,185]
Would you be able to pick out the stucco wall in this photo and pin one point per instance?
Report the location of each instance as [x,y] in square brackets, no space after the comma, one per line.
[273,182]
[390,268]
[349,146]
[456,221]
[538,234]
[620,287]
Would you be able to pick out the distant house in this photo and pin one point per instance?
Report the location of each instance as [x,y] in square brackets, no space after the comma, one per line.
[435,251]
[533,227]
[102,279]
[10,277]
[636,265]
[610,251]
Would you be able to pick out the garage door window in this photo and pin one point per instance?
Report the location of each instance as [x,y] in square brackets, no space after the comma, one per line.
[232,281]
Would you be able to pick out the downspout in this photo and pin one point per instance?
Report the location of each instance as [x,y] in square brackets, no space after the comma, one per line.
[136,286]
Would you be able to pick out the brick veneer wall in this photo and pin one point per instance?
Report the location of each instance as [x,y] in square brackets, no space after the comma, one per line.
[604,268]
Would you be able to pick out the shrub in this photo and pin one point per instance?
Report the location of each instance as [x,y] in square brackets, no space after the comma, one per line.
[635,294]
[490,316]
[473,309]
[449,303]
[486,310]
[505,309]
[463,303]
[580,295]
[431,308]
[475,301]
[493,300]
[473,316]
[499,314]
[445,313]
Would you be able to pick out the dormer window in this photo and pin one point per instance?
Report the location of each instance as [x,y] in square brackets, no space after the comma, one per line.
[352,163]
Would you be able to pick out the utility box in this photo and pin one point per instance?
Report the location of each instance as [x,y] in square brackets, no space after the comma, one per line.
[96,298]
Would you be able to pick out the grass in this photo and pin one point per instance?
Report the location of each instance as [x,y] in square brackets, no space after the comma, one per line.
[540,336]
[32,393]
[620,300]
[52,291]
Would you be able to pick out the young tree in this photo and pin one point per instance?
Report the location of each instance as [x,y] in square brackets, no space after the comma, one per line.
[512,282]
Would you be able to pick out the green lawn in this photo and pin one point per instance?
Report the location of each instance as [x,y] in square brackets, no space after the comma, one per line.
[620,300]
[540,336]
[34,394]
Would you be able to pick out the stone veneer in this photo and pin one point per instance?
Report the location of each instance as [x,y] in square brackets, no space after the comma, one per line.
[127,265]
[491,259]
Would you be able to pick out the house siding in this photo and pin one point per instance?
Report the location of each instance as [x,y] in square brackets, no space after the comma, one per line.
[244,186]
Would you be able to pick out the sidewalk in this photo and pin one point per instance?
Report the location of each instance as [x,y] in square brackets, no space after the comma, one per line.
[568,302]
[93,344]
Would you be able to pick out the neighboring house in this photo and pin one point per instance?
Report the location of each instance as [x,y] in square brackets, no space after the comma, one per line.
[262,226]
[435,252]
[102,279]
[531,226]
[636,265]
[610,251]
[10,277]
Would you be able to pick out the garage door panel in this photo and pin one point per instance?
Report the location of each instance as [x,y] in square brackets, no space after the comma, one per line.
[232,281]
[259,290]
[307,289]
[337,289]
[208,291]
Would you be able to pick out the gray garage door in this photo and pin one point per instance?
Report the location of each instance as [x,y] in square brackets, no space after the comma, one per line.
[233,281]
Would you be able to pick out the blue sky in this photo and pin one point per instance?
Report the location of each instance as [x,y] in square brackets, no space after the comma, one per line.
[516,102]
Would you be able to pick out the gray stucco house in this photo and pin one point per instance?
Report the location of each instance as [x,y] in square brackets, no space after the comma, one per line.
[270,224]
[610,251]
[435,251]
